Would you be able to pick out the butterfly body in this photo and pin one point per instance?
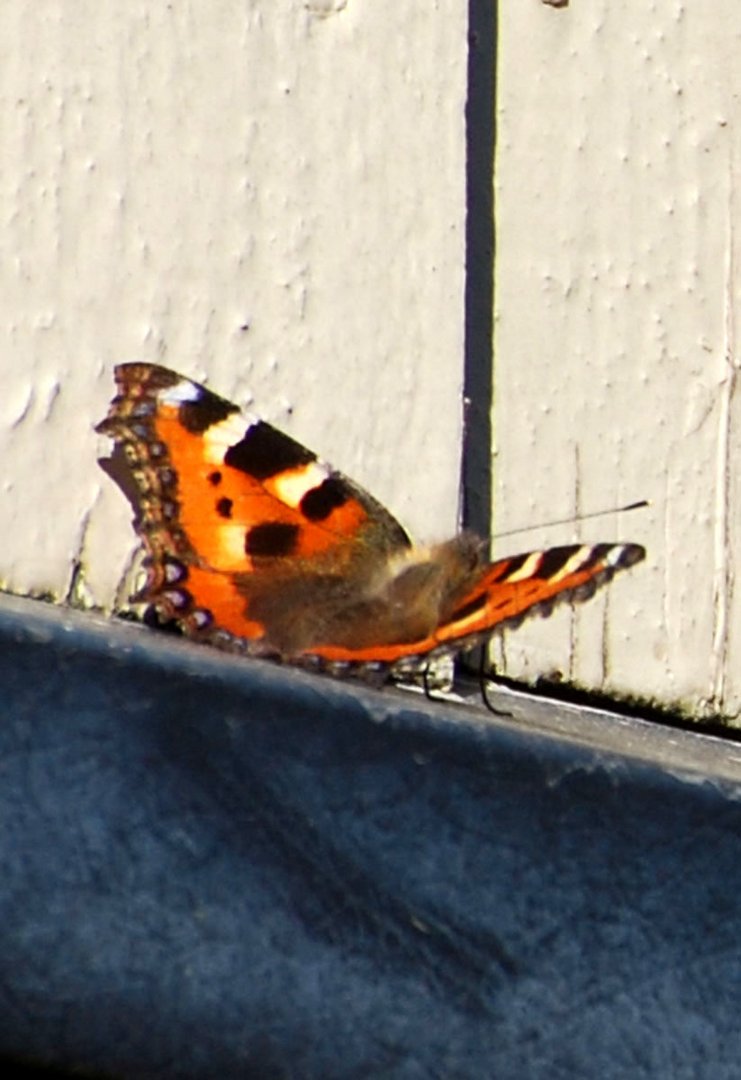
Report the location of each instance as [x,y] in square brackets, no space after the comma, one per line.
[253,543]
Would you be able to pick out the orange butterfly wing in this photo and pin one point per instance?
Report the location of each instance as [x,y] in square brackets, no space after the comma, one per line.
[253,541]
[222,500]
[507,591]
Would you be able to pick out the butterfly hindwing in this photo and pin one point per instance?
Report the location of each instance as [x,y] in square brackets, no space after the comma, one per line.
[504,593]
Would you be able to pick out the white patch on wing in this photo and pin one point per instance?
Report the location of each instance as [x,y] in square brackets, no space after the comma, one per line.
[615,554]
[579,557]
[290,487]
[526,570]
[231,546]
[181,393]
[218,438]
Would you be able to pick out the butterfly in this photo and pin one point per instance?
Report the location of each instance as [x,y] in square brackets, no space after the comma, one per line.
[255,544]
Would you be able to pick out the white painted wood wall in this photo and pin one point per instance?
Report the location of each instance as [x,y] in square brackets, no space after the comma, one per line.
[273,196]
[619,223]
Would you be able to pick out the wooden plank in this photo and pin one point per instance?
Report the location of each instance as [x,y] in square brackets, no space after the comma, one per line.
[616,348]
[271,196]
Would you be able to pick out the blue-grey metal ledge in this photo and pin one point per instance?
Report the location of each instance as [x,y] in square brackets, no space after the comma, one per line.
[217,867]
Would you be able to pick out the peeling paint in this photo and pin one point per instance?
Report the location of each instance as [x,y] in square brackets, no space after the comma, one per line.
[605,649]
[322,9]
[573,622]
[126,587]
[76,593]
[48,396]
[723,567]
[26,399]
[18,404]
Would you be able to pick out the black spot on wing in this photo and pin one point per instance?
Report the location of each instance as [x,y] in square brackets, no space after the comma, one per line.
[214,478]
[631,554]
[318,503]
[473,607]
[511,566]
[264,451]
[554,560]
[208,409]
[224,508]
[598,553]
[274,539]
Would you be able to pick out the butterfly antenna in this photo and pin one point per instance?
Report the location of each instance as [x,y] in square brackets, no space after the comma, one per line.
[640,505]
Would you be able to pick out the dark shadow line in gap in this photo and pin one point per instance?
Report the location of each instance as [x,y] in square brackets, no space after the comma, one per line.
[476,477]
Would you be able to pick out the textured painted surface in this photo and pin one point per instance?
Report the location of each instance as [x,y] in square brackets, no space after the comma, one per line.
[619,222]
[270,195]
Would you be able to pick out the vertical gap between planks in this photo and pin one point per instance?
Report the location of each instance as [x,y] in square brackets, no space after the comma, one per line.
[478,385]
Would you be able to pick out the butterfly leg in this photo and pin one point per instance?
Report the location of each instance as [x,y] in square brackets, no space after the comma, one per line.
[488,674]
[428,684]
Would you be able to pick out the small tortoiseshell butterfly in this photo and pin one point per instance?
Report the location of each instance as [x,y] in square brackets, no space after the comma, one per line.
[255,544]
